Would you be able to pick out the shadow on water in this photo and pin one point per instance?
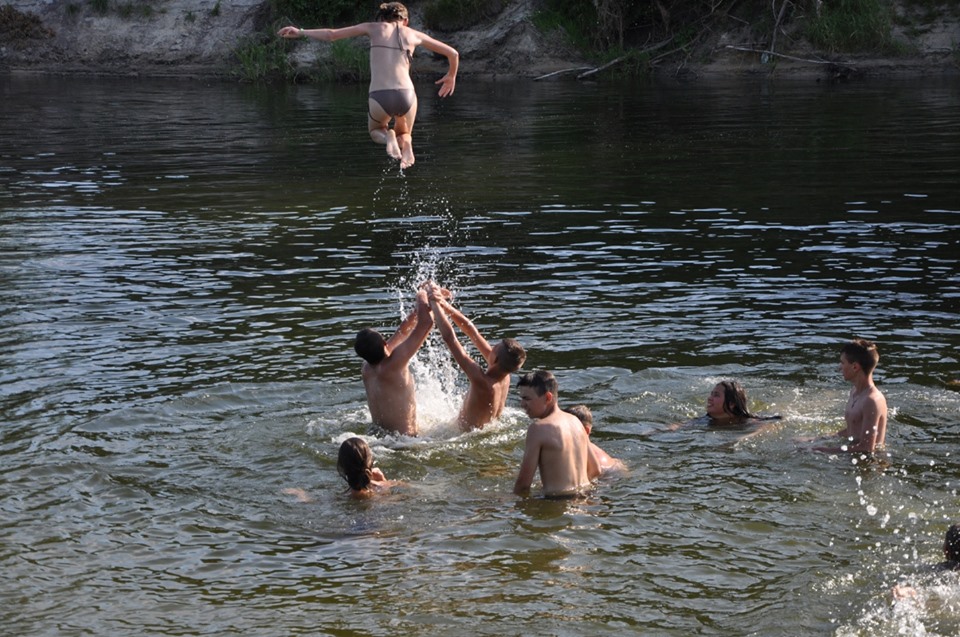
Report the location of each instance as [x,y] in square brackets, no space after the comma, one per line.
[183,268]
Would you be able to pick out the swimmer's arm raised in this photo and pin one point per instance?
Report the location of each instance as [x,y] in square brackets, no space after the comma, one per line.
[469,329]
[404,329]
[448,82]
[466,363]
[408,348]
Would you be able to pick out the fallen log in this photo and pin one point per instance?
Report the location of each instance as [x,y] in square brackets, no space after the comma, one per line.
[576,69]
[837,70]
[783,55]
[620,59]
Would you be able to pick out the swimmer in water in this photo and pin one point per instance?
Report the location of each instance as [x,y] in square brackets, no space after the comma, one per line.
[727,409]
[391,94]
[866,411]
[605,463]
[951,553]
[557,444]
[355,465]
[389,385]
[487,394]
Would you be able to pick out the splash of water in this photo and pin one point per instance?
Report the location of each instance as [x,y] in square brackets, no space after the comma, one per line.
[440,388]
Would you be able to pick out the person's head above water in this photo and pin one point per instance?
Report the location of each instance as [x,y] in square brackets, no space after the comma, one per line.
[951,544]
[728,400]
[863,353]
[541,381]
[584,414]
[355,463]
[370,346]
[392,12]
[510,355]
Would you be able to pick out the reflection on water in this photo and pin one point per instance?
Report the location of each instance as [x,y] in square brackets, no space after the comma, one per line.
[184,267]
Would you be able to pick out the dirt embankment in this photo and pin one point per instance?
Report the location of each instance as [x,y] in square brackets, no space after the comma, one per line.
[199,37]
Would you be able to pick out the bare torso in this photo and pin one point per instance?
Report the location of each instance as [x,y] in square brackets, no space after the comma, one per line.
[390,42]
[484,402]
[866,409]
[391,397]
[605,462]
[564,449]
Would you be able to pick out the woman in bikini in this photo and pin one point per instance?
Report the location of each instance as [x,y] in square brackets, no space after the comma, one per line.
[392,95]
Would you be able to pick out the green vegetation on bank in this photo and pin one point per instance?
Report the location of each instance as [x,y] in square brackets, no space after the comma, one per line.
[603,28]
[633,34]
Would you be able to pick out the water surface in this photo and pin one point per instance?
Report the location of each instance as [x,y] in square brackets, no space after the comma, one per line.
[183,267]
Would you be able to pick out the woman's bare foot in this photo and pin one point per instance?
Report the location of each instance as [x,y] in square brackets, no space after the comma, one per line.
[406,150]
[393,148]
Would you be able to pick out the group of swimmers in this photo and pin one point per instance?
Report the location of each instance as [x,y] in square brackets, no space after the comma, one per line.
[558,444]
[558,441]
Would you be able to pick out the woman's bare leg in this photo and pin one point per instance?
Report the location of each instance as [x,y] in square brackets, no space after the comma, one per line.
[378,123]
[403,127]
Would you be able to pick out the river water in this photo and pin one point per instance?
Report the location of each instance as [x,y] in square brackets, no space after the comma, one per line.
[183,267]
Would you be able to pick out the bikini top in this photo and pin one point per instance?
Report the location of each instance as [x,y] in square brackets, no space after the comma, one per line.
[407,55]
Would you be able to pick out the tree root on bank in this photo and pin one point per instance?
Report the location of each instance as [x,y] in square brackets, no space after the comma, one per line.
[576,69]
[839,70]
[587,71]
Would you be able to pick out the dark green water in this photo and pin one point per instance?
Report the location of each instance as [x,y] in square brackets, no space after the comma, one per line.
[183,267]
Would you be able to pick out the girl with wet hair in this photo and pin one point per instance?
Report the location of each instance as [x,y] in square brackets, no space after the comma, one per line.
[727,408]
[391,96]
[355,465]
[728,401]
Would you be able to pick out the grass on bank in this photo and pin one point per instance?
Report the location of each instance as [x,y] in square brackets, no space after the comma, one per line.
[853,26]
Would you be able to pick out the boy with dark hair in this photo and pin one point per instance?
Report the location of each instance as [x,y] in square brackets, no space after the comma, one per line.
[866,411]
[557,444]
[386,373]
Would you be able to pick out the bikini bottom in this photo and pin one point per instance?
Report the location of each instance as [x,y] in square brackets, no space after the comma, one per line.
[394,101]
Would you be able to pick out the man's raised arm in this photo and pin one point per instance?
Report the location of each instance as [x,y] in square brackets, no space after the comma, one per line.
[469,329]
[403,330]
[417,333]
[466,363]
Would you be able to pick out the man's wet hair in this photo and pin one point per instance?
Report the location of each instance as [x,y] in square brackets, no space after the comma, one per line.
[370,346]
[541,381]
[514,355]
[583,413]
[862,352]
